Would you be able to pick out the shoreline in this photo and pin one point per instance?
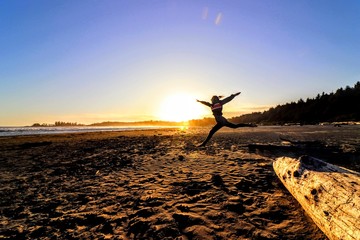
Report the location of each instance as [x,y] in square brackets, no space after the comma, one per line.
[49,130]
[25,131]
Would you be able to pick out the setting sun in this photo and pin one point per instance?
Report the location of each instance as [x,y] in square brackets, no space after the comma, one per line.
[180,107]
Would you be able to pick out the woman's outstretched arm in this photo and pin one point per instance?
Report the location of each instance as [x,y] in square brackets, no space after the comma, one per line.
[205,103]
[228,99]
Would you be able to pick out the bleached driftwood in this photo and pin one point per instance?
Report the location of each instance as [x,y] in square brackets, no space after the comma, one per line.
[328,193]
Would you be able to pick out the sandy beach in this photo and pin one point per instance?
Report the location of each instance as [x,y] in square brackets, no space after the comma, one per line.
[156,184]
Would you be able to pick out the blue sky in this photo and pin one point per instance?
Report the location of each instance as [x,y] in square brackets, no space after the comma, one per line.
[92,61]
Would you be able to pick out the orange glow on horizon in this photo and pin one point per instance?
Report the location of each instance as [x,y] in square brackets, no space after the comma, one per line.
[180,107]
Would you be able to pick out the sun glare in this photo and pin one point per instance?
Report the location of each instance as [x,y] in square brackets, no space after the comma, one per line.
[180,107]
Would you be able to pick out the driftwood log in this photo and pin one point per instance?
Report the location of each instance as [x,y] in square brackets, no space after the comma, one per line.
[329,194]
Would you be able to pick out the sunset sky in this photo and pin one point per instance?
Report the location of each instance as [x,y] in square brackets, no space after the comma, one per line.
[131,60]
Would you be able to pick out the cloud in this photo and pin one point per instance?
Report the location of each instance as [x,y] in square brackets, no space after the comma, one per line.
[218,18]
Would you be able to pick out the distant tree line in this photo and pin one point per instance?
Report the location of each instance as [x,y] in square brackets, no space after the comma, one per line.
[41,125]
[343,105]
[110,123]
[141,123]
[67,124]
[58,124]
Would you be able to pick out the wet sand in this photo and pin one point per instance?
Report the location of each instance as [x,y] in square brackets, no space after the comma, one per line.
[157,185]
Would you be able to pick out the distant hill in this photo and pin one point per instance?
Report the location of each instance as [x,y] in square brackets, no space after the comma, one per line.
[343,105]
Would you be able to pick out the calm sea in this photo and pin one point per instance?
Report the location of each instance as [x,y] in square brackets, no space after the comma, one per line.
[18,131]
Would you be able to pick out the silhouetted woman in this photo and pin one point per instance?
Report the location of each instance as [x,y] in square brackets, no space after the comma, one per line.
[216,106]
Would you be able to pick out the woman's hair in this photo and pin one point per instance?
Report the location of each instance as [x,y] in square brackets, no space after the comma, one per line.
[216,98]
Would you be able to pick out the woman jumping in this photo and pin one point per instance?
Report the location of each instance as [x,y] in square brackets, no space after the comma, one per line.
[216,106]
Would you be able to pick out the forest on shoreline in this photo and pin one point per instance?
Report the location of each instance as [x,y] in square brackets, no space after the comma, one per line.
[341,106]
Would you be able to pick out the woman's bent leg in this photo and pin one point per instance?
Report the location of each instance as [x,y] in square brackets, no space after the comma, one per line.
[211,133]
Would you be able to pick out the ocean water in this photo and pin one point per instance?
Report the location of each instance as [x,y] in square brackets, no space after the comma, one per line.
[19,131]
